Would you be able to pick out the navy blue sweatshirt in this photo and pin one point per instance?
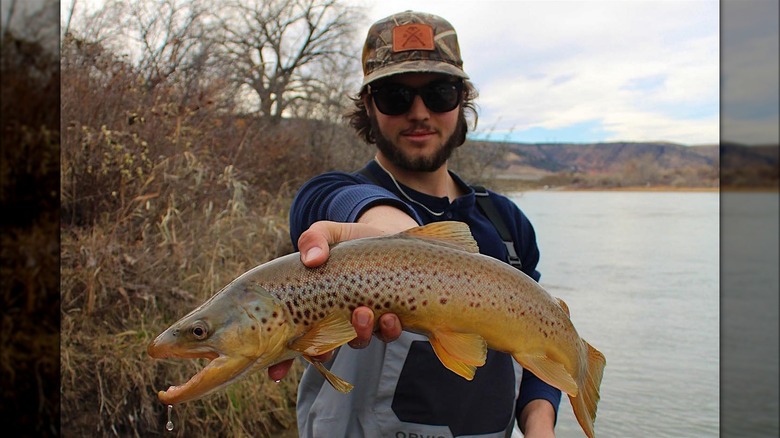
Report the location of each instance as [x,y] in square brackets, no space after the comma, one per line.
[426,392]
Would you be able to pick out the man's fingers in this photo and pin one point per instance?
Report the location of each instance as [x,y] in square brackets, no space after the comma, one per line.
[315,242]
[363,322]
[389,327]
[315,256]
[314,248]
[278,371]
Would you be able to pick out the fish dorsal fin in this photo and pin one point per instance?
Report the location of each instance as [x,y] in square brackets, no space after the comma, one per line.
[550,371]
[564,307]
[327,334]
[337,382]
[450,233]
[461,353]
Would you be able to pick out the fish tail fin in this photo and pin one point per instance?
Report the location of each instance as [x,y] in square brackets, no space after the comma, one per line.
[586,401]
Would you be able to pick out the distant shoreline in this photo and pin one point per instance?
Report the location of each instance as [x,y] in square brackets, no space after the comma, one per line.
[633,189]
[504,187]
[564,188]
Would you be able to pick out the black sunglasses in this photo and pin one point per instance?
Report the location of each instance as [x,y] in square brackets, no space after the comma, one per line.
[395,99]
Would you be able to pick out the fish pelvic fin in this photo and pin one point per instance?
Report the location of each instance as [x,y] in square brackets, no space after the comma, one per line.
[586,402]
[328,334]
[461,353]
[447,233]
[337,382]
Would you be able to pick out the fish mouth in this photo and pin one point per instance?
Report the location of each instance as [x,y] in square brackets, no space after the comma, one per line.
[220,371]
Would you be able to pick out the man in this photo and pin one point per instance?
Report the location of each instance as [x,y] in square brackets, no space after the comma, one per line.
[412,105]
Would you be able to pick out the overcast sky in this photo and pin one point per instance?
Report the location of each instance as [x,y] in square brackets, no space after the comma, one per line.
[622,70]
[750,67]
[587,70]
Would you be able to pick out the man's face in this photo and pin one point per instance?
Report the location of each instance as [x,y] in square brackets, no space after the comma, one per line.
[418,140]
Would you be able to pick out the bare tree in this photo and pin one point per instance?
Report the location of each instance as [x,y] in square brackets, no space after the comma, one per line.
[9,13]
[278,48]
[31,21]
[68,17]
[329,84]
[164,40]
[100,25]
[170,36]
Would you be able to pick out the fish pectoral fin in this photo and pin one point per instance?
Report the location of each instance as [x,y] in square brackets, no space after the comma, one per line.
[328,334]
[461,353]
[337,382]
[550,371]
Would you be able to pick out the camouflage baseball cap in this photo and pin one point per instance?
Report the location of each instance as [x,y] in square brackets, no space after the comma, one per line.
[411,42]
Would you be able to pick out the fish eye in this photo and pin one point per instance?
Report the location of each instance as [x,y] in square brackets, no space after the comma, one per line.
[199,330]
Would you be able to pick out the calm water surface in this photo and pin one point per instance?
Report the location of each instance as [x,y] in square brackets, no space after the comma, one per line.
[750,261]
[640,273]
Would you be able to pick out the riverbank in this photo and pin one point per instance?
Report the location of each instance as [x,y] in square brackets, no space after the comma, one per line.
[633,189]
[505,185]
[655,189]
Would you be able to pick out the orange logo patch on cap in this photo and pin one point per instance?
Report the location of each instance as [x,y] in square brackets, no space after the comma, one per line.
[414,36]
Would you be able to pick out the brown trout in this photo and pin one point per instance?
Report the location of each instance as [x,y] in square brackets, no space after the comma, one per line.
[432,277]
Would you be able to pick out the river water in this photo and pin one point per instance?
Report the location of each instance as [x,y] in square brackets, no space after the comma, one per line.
[640,274]
[750,298]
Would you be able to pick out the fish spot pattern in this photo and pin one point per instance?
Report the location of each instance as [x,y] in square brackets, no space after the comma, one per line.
[398,276]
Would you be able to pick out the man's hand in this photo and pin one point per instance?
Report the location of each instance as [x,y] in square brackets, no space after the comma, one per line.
[314,245]
[363,320]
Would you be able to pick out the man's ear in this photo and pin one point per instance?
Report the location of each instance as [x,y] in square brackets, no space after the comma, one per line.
[367,104]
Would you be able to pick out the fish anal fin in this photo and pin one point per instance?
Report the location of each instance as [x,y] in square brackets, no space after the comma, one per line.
[327,334]
[449,233]
[337,382]
[461,353]
[550,371]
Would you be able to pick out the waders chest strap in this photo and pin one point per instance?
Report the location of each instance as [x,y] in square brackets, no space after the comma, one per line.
[486,205]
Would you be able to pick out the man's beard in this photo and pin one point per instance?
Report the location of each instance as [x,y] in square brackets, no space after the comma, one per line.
[416,164]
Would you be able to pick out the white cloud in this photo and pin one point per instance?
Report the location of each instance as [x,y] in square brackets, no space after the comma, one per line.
[619,70]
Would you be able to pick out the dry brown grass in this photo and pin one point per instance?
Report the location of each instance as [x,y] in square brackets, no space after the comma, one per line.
[29,336]
[166,198]
[124,282]
[29,256]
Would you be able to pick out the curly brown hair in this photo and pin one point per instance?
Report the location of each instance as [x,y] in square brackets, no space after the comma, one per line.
[359,119]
